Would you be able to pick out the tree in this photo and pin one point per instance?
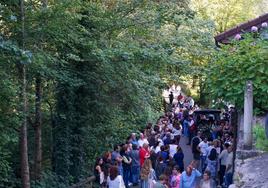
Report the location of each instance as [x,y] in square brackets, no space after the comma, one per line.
[96,74]
[233,66]
[25,174]
[227,13]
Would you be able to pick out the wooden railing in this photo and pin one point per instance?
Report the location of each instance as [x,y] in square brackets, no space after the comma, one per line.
[86,183]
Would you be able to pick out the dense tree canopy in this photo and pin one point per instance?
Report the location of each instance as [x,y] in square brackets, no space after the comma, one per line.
[229,13]
[94,71]
[84,74]
[233,65]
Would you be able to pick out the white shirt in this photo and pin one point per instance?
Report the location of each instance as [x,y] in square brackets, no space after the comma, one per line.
[172,149]
[170,126]
[157,149]
[218,149]
[141,142]
[161,143]
[116,183]
[203,147]
[229,161]
[205,184]
[176,132]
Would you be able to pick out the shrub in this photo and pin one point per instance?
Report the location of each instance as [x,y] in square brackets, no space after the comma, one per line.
[260,137]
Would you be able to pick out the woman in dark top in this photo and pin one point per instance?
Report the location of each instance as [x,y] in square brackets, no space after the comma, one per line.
[179,157]
[98,171]
[160,167]
[212,162]
[126,163]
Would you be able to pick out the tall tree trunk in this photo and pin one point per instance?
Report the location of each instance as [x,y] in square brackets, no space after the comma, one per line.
[38,129]
[44,3]
[38,121]
[25,174]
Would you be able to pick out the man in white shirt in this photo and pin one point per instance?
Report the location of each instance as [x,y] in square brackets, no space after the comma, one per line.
[203,146]
[229,167]
[223,157]
[172,148]
[176,132]
[142,140]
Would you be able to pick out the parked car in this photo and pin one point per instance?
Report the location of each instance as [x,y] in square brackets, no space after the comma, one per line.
[205,119]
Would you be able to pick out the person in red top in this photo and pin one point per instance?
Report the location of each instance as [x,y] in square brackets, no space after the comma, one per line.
[144,153]
[180,97]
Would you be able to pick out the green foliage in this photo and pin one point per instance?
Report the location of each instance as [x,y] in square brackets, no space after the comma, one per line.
[233,65]
[229,13]
[49,180]
[261,139]
[103,65]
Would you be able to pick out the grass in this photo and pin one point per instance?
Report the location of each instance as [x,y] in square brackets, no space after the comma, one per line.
[260,137]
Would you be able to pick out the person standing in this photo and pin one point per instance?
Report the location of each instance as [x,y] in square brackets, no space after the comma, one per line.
[192,128]
[115,180]
[171,98]
[212,163]
[134,140]
[117,159]
[180,97]
[185,125]
[203,153]
[195,150]
[223,160]
[160,167]
[191,102]
[142,140]
[207,182]
[135,165]
[189,177]
[177,132]
[144,153]
[126,163]
[147,174]
[176,176]
[229,167]
[179,158]
[162,183]
[99,172]
[172,148]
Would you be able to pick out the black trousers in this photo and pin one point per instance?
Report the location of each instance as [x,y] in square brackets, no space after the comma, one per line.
[221,173]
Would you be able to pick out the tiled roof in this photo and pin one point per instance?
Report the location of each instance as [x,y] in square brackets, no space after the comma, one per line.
[225,37]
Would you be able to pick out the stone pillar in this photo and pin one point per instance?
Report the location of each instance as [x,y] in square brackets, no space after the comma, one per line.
[248,115]
[266,125]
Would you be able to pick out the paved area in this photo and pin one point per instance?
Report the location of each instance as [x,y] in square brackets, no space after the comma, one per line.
[252,173]
[188,156]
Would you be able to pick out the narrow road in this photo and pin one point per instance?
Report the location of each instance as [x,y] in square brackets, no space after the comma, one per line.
[188,156]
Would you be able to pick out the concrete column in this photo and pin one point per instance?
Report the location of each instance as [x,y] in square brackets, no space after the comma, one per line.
[248,115]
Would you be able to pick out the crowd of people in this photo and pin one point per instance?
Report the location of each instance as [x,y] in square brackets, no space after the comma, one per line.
[155,159]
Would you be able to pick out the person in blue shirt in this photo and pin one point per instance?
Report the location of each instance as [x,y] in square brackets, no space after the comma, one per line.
[164,154]
[178,158]
[189,177]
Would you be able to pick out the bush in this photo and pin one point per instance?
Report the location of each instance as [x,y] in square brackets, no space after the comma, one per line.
[261,140]
[49,180]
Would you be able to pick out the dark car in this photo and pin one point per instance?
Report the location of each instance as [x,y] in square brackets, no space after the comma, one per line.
[205,119]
